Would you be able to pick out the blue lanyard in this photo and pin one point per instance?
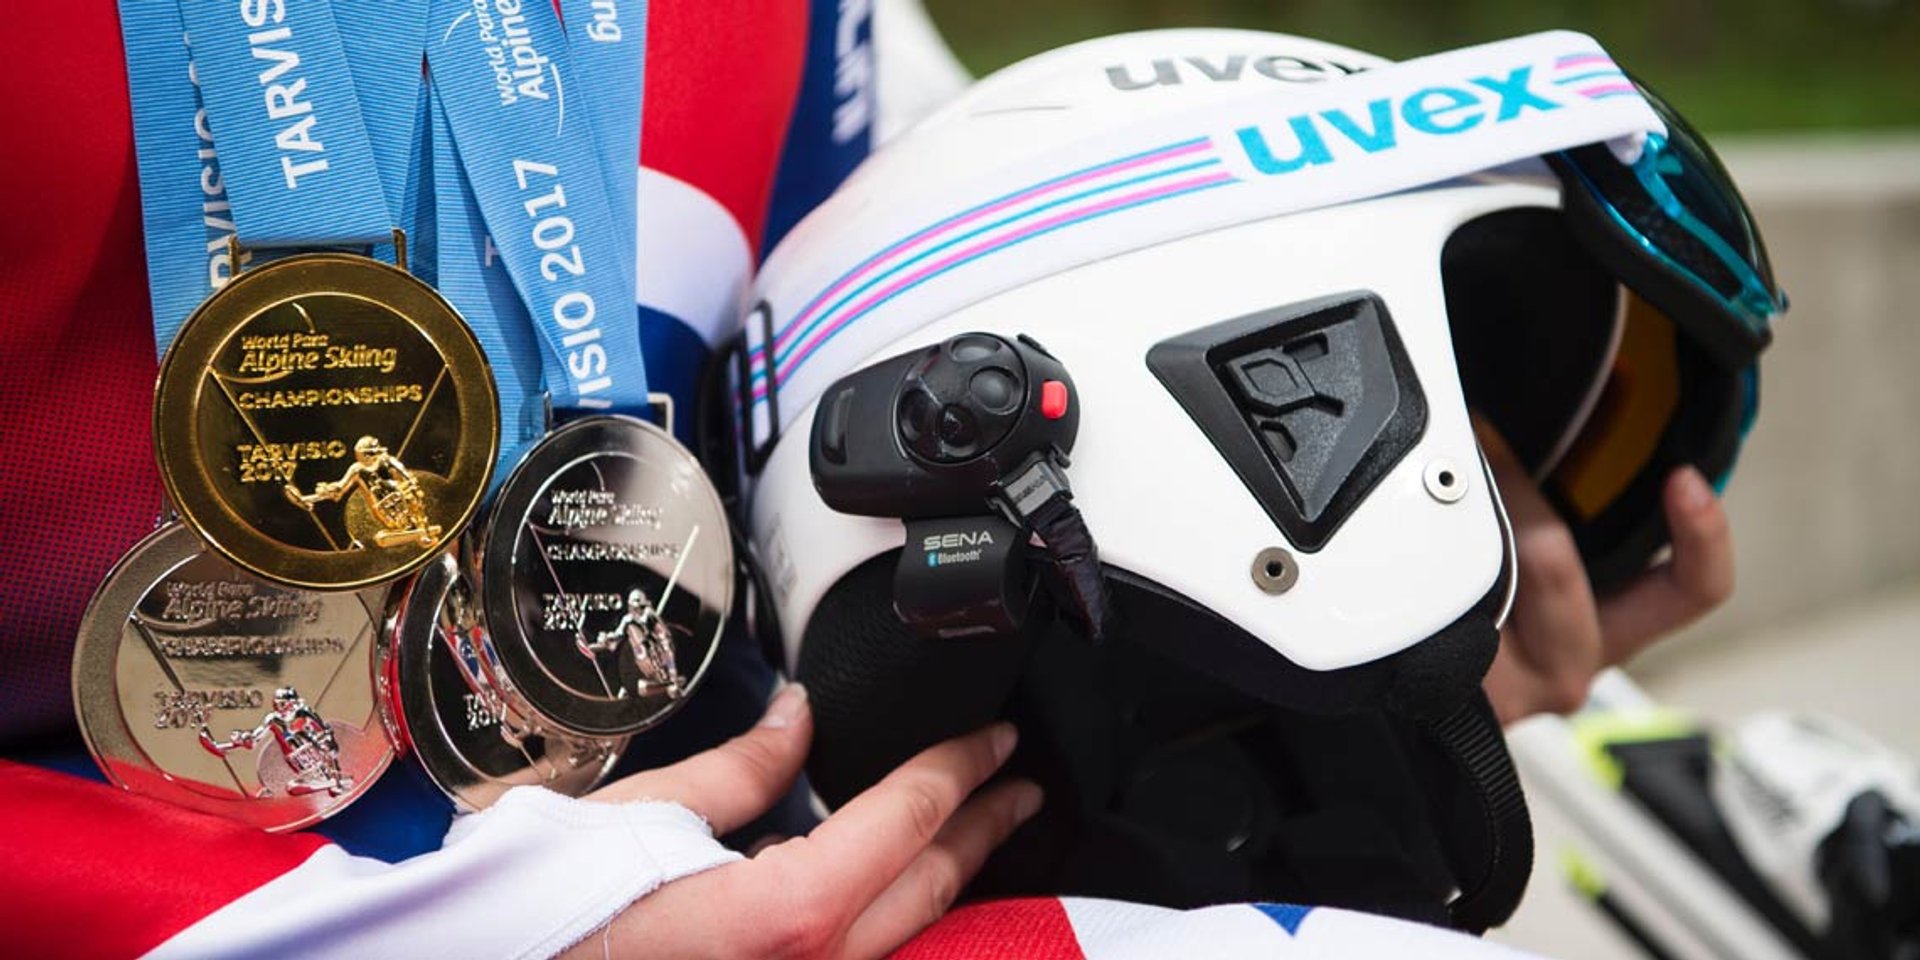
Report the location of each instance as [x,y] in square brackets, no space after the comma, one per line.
[384,40]
[502,74]
[298,162]
[608,40]
[183,194]
[281,100]
[468,270]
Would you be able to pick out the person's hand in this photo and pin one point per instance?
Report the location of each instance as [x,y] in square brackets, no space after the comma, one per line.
[1558,636]
[883,867]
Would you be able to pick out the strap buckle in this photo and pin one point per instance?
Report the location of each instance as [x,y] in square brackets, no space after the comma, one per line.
[754,452]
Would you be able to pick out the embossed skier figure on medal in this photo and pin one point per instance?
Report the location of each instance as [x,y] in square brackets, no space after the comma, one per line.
[649,639]
[306,742]
[392,496]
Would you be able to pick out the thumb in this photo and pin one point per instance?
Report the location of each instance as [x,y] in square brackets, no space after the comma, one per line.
[737,780]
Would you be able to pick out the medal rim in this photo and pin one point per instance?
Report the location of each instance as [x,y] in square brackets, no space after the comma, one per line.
[104,726]
[403,674]
[531,476]
[201,507]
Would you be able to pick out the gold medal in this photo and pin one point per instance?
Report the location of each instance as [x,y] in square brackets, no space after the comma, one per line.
[202,685]
[326,421]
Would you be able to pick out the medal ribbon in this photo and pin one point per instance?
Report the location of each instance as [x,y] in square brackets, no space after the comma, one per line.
[286,105]
[384,41]
[282,103]
[183,195]
[471,275]
[608,40]
[502,72]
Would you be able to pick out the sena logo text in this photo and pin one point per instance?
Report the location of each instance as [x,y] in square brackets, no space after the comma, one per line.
[954,541]
[1435,111]
[1169,72]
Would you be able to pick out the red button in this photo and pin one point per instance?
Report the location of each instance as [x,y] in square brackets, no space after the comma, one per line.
[1053,399]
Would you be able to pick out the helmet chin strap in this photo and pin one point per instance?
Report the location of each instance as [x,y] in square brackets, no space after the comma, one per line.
[1471,740]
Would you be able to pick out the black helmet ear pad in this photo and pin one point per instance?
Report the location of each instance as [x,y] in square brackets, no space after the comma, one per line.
[881,693]
[1164,783]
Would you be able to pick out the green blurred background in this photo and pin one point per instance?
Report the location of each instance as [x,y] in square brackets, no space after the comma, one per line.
[1761,65]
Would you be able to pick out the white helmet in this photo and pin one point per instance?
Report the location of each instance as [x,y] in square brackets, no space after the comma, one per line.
[1177,257]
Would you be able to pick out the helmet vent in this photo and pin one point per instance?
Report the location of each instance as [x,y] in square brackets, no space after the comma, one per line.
[1311,404]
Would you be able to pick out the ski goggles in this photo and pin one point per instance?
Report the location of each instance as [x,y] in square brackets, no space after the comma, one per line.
[1697,301]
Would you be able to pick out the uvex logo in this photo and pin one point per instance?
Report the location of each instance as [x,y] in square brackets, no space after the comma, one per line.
[950,541]
[1436,111]
[1169,72]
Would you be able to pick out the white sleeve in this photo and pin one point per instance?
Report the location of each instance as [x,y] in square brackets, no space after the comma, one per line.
[528,877]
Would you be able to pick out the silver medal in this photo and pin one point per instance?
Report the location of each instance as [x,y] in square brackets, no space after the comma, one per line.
[607,573]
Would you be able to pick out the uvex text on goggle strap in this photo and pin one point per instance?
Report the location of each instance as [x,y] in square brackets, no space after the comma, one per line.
[1278,299]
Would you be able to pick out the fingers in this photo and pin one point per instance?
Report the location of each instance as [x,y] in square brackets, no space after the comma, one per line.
[738,780]
[1555,622]
[1558,636]
[901,843]
[1552,646]
[930,884]
[860,850]
[1697,578]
